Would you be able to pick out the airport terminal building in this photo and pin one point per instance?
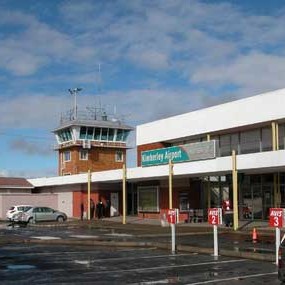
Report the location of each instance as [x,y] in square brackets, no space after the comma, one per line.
[233,151]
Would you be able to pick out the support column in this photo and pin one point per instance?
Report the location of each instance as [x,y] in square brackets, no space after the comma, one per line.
[275,146]
[208,182]
[170,183]
[88,194]
[235,190]
[124,194]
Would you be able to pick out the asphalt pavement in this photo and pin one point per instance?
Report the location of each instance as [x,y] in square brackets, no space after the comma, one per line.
[137,232]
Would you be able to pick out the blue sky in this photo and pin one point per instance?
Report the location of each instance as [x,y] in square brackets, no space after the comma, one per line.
[157,58]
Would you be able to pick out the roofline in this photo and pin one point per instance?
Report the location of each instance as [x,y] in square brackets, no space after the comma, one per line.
[16,187]
[99,124]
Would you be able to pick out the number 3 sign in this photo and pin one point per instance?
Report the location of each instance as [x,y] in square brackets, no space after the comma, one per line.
[215,216]
[276,216]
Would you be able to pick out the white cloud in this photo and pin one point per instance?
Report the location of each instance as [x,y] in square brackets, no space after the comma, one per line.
[255,71]
[185,52]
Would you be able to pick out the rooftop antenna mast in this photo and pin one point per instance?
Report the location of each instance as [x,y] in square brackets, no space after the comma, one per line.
[74,93]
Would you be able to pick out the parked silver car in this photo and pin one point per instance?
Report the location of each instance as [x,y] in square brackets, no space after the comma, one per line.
[37,214]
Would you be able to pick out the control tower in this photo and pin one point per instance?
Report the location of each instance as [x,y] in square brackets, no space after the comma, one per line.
[90,140]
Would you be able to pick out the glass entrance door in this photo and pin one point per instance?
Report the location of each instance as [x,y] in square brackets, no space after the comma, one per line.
[267,200]
[257,209]
[252,202]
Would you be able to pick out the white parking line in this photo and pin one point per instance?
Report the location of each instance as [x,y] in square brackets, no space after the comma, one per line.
[143,257]
[233,278]
[167,267]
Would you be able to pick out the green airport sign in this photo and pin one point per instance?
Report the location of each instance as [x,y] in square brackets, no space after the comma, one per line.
[182,153]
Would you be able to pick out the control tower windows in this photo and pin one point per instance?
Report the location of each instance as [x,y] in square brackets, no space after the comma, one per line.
[104,135]
[83,132]
[65,135]
[90,132]
[97,134]
[119,136]
[111,135]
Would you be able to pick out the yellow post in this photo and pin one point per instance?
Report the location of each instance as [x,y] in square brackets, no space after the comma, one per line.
[274,127]
[124,194]
[279,192]
[277,135]
[235,190]
[170,183]
[208,182]
[88,194]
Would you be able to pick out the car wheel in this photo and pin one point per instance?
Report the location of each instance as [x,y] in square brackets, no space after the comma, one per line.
[31,221]
[60,219]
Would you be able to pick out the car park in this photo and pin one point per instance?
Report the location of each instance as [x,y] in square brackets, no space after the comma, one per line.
[37,214]
[16,210]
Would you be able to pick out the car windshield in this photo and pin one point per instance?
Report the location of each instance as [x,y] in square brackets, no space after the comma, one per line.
[26,209]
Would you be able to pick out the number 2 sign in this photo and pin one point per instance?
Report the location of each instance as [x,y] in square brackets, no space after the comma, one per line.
[215,216]
[276,216]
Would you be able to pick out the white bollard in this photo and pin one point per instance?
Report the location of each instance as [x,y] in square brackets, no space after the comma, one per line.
[216,249]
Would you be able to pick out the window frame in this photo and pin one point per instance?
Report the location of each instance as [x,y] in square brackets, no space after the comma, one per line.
[86,154]
[64,155]
[119,156]
[141,190]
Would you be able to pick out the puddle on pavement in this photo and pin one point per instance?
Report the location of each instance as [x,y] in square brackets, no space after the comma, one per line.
[84,236]
[20,267]
[119,235]
[46,237]
[258,250]
[86,263]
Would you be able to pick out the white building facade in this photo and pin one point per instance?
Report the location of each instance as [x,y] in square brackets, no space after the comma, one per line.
[254,128]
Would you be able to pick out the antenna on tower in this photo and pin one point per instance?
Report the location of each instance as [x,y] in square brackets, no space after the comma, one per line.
[99,79]
[74,93]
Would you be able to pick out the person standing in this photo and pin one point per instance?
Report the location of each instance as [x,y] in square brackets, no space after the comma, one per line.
[81,211]
[92,209]
[100,209]
[108,208]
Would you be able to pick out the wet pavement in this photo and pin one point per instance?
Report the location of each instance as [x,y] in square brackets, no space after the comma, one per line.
[150,233]
[49,264]
[108,252]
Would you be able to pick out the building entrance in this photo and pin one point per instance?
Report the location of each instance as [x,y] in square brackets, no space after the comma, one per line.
[256,201]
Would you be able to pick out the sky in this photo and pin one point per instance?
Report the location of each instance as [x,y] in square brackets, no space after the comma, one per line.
[157,58]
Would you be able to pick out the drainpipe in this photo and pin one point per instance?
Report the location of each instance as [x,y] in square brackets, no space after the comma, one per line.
[88,194]
[170,183]
[275,147]
[235,190]
[208,183]
[124,193]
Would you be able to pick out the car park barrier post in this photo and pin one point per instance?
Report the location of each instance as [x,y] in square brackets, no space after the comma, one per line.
[215,219]
[276,219]
[173,218]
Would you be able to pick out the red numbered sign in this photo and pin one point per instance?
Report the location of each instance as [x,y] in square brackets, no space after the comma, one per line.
[276,217]
[172,216]
[215,216]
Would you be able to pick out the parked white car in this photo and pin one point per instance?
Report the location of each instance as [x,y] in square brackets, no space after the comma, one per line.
[15,210]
